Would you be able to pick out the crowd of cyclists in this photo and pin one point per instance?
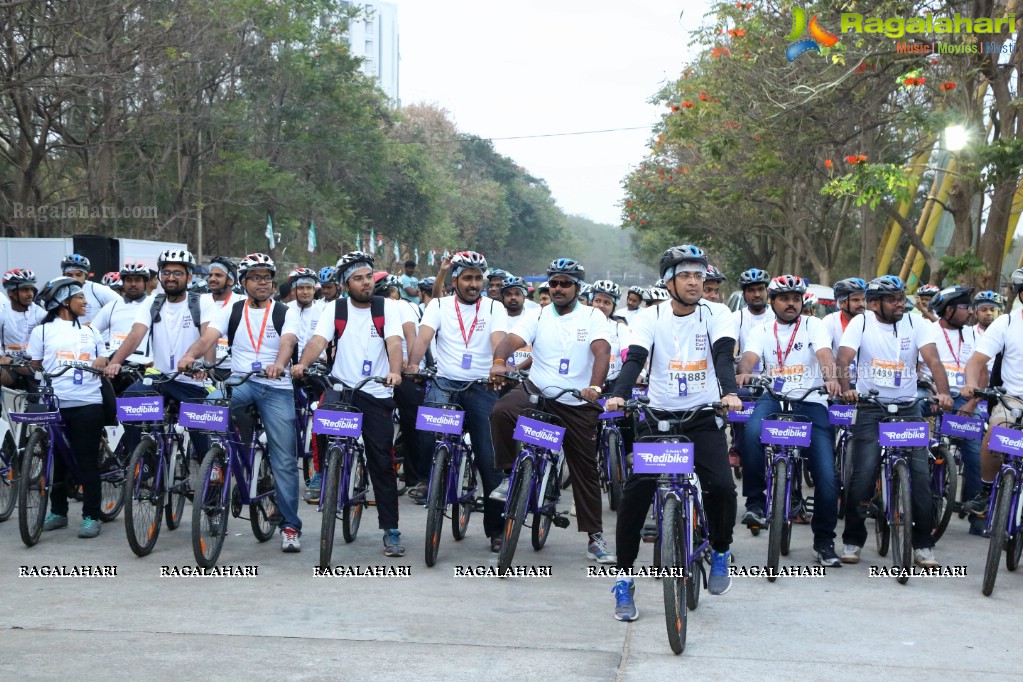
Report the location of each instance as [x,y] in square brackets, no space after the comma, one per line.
[476,325]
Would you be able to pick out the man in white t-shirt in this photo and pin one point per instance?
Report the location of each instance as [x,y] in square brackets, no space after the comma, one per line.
[17,320]
[221,281]
[805,363]
[712,285]
[366,331]
[115,320]
[467,327]
[884,343]
[571,349]
[1005,337]
[756,312]
[263,334]
[78,267]
[513,295]
[303,284]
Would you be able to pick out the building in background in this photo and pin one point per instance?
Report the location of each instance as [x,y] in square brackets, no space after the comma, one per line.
[374,37]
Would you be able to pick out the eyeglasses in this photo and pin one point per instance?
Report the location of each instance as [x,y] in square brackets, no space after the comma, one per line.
[260,279]
[689,275]
[561,284]
[894,300]
[173,273]
[963,306]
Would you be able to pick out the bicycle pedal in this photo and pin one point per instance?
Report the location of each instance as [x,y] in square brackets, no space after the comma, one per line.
[560,520]
[478,504]
[808,505]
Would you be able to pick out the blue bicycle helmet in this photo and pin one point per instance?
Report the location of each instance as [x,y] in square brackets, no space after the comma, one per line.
[426,284]
[76,261]
[989,298]
[566,266]
[676,255]
[851,285]
[886,285]
[514,283]
[753,276]
[328,275]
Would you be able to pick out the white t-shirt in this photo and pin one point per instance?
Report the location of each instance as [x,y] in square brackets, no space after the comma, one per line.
[833,325]
[887,354]
[172,336]
[16,328]
[682,374]
[519,357]
[96,296]
[746,322]
[562,357]
[409,313]
[531,305]
[307,319]
[210,308]
[954,348]
[360,351]
[468,355]
[114,321]
[1005,335]
[59,343]
[626,314]
[247,338]
[978,332]
[798,369]
[620,335]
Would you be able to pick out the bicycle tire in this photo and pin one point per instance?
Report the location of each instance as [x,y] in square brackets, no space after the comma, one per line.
[263,511]
[35,487]
[945,502]
[1013,550]
[999,528]
[882,533]
[9,482]
[615,478]
[328,504]
[435,502]
[542,522]
[518,493]
[902,522]
[778,518]
[673,557]
[144,498]
[210,509]
[112,488]
[180,484]
[356,485]
[461,512]
[786,529]
[694,574]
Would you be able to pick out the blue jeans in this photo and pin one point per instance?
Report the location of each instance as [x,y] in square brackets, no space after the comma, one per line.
[277,412]
[820,457]
[478,403]
[176,390]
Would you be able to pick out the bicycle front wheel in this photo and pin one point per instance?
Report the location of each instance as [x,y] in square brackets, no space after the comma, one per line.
[34,492]
[111,484]
[945,498]
[901,522]
[615,476]
[518,498]
[999,529]
[328,504]
[673,558]
[461,511]
[356,486]
[778,517]
[178,488]
[210,508]
[542,522]
[435,502]
[144,498]
[882,532]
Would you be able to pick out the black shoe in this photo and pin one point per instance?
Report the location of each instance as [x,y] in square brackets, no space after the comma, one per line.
[754,517]
[826,556]
[978,505]
[650,533]
[495,544]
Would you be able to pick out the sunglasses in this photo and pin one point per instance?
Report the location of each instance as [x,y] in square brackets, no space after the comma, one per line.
[561,284]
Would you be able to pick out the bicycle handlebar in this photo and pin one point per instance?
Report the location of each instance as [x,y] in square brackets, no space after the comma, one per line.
[872,399]
[767,385]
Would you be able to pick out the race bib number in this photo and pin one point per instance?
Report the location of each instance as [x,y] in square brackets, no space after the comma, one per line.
[787,378]
[887,373]
[956,376]
[520,356]
[688,377]
[223,347]
[116,339]
[66,357]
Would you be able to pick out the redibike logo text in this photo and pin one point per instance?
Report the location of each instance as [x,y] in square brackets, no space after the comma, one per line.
[908,434]
[340,423]
[788,431]
[665,458]
[1015,443]
[442,421]
[153,408]
[542,434]
[203,416]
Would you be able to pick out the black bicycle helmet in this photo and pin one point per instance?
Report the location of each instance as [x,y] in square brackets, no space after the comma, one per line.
[676,255]
[886,285]
[568,267]
[76,261]
[514,283]
[467,260]
[50,293]
[227,264]
[844,288]
[714,275]
[350,259]
[950,296]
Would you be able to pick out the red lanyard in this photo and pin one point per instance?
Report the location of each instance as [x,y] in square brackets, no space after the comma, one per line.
[458,311]
[781,360]
[954,356]
[256,346]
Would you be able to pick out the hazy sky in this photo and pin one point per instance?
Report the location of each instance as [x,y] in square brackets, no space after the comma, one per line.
[535,67]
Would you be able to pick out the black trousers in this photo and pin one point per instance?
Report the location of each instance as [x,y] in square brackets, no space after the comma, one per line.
[719,497]
[84,428]
[409,396]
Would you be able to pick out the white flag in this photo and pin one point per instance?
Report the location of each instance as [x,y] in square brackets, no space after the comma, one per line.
[312,237]
[270,232]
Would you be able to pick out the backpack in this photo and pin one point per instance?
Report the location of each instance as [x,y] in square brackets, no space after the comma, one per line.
[376,311]
[194,309]
[277,315]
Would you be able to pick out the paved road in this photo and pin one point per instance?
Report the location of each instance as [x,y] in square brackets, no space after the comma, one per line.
[286,624]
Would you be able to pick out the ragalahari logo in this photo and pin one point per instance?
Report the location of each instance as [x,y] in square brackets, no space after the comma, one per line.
[819,37]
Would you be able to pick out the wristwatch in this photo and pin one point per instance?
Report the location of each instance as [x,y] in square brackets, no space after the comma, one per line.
[596,388]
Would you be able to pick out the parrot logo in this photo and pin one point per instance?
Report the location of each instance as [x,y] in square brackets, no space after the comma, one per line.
[819,37]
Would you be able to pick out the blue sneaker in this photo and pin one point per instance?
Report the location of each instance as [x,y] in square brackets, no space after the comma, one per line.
[90,528]
[54,521]
[719,582]
[312,489]
[625,601]
[392,543]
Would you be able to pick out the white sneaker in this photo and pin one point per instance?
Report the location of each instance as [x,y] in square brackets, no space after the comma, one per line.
[289,540]
[571,512]
[924,558]
[500,493]
[851,554]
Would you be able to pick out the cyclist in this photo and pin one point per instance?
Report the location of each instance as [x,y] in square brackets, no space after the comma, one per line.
[692,367]
[512,295]
[369,345]
[113,281]
[77,267]
[605,295]
[328,283]
[267,344]
[571,349]
[57,341]
[658,296]
[753,283]
[956,343]
[712,285]
[386,285]
[495,278]
[408,396]
[115,320]
[924,295]
[408,284]
[884,343]
[807,362]
[633,303]
[467,328]
[425,292]
[221,281]
[543,292]
[1002,338]
[303,283]
[850,294]
[809,304]
[17,320]
[987,306]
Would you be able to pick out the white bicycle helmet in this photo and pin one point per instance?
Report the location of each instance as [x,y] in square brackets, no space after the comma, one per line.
[256,260]
[178,257]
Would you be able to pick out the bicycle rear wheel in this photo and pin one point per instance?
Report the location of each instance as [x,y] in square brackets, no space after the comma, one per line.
[694,574]
[461,511]
[263,512]
[1013,550]
[9,479]
[34,492]
[778,517]
[112,483]
[357,487]
[901,521]
[944,499]
[210,508]
[615,476]
[437,497]
[518,496]
[144,498]
[882,532]
[328,504]
[999,528]
[179,487]
[673,557]
[547,495]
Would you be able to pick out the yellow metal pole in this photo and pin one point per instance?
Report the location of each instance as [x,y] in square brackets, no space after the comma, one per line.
[921,226]
[890,240]
[932,224]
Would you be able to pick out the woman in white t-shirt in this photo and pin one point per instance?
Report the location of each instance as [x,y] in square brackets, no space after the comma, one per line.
[605,295]
[59,341]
